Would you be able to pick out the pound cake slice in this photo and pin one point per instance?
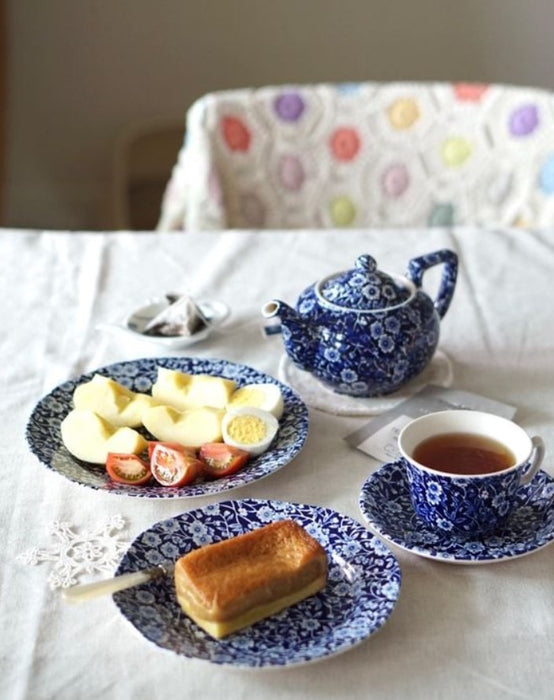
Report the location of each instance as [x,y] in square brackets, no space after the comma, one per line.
[231,584]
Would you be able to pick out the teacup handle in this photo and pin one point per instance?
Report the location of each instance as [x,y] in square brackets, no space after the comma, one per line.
[537,455]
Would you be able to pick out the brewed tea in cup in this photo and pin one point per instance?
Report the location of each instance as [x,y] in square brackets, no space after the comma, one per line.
[464,453]
[464,468]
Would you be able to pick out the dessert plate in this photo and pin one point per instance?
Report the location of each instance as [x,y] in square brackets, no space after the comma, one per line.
[44,437]
[362,589]
[385,504]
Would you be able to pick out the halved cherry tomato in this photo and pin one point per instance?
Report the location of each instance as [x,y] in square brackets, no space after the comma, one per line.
[127,469]
[173,465]
[221,459]
[152,444]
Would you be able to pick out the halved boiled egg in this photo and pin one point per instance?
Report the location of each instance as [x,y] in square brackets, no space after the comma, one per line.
[250,428]
[268,397]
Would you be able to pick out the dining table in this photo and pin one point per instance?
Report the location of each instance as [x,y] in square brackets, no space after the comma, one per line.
[480,625]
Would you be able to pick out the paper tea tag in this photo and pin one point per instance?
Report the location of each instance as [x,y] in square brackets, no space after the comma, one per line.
[379,437]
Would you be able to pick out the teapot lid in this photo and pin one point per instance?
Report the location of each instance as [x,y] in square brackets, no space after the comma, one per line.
[364,288]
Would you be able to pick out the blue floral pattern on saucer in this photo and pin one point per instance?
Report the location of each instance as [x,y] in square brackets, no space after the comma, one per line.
[44,437]
[362,589]
[386,505]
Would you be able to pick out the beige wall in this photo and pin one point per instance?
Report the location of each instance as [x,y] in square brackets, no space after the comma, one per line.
[82,71]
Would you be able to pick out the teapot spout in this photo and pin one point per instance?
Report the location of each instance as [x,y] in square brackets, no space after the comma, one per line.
[299,334]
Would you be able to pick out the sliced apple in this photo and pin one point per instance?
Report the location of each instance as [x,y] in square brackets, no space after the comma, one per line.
[190,428]
[183,391]
[113,401]
[90,437]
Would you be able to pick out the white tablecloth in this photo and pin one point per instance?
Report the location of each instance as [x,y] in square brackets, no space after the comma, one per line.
[457,631]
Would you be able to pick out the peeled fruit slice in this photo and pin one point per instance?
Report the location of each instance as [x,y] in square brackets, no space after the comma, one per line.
[184,391]
[90,437]
[268,397]
[190,428]
[112,401]
[250,429]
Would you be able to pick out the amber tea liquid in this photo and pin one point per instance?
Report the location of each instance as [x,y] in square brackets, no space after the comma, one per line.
[464,453]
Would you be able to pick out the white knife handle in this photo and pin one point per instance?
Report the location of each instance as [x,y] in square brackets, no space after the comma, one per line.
[86,591]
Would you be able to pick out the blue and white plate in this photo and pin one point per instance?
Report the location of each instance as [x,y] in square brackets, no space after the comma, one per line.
[385,504]
[44,437]
[362,589]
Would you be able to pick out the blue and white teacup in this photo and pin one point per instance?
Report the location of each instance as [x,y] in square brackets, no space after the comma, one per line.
[468,504]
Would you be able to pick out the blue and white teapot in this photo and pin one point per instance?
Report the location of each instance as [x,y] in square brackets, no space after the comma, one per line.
[366,333]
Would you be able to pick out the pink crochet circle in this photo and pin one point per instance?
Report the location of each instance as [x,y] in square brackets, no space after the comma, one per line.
[395,180]
[469,92]
[214,186]
[291,172]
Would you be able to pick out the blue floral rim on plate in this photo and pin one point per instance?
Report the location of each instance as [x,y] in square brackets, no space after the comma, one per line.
[387,507]
[44,437]
[361,593]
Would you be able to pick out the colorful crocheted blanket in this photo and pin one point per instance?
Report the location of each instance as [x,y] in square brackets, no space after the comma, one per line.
[365,155]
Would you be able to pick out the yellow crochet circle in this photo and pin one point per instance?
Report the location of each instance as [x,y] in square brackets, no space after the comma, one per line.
[343,211]
[403,113]
[455,151]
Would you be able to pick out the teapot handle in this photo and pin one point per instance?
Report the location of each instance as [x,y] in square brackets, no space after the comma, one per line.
[418,266]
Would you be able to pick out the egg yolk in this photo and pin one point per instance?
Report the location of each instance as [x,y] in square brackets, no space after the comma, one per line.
[247,430]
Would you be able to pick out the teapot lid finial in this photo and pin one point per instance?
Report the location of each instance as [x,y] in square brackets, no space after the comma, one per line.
[364,288]
[367,263]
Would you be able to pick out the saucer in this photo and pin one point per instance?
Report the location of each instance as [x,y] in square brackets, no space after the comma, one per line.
[215,312]
[317,395]
[386,506]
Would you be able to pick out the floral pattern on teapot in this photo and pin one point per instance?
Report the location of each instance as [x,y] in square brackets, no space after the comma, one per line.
[365,333]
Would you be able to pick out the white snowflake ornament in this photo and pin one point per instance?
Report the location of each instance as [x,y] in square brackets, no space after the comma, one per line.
[76,554]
